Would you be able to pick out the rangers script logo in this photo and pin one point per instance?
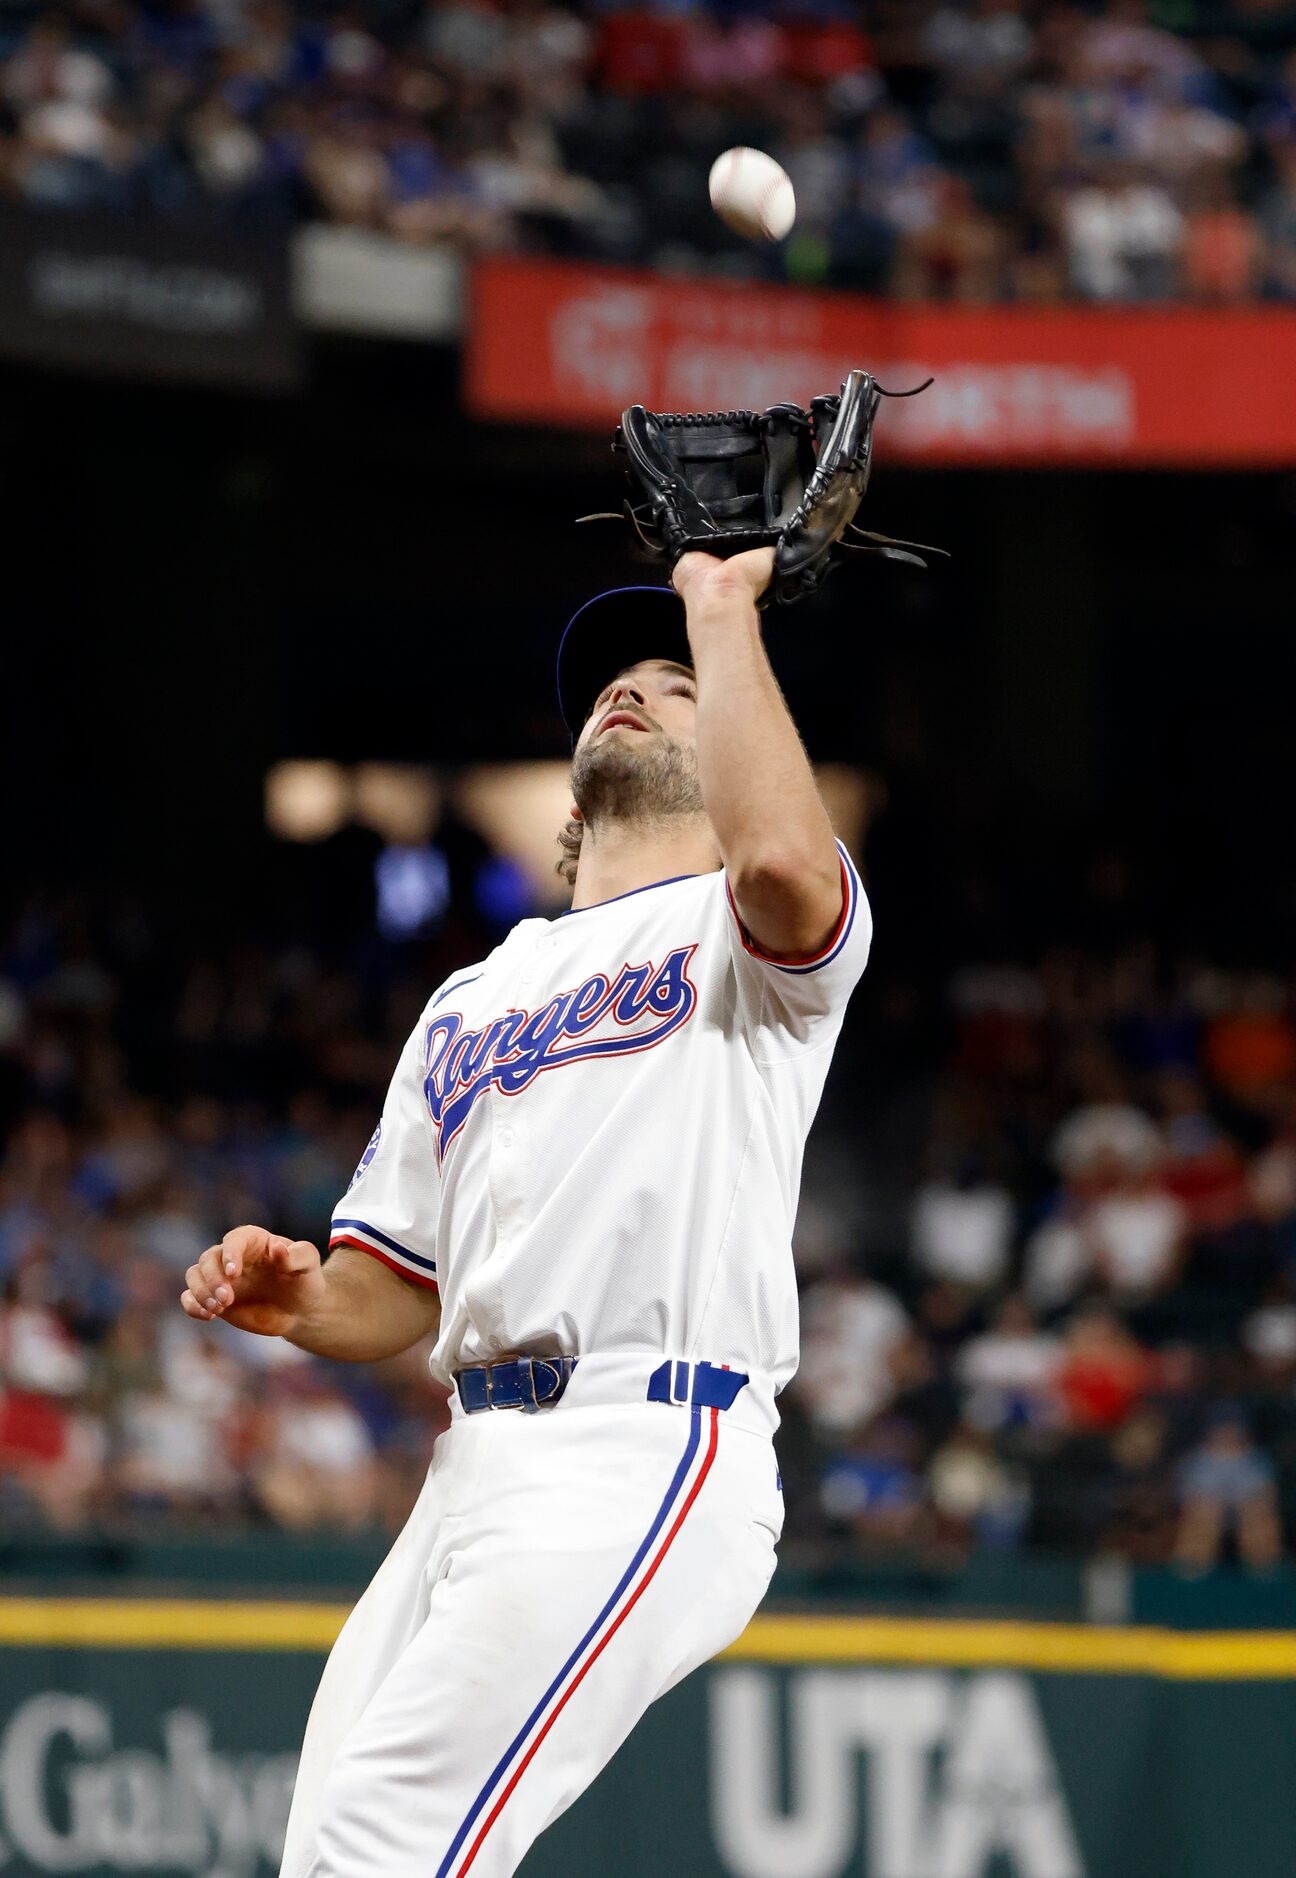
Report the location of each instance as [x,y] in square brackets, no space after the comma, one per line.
[644,1003]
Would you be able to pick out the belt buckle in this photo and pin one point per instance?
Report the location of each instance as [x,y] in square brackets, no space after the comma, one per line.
[560,1367]
[524,1368]
[680,1380]
[527,1365]
[521,1365]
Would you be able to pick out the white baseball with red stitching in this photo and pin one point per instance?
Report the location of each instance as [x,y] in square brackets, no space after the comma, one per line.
[753,194]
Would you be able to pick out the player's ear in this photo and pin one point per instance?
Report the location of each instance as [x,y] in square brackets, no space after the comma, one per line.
[574,814]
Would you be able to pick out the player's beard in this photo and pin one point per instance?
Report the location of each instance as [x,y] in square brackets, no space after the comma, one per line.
[638,777]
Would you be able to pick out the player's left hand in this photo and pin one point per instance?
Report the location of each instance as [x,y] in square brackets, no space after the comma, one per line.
[698,575]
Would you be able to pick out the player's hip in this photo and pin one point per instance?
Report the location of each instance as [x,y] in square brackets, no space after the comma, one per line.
[556,1388]
[598,1457]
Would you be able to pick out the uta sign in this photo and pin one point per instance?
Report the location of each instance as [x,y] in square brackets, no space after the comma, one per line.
[960,1777]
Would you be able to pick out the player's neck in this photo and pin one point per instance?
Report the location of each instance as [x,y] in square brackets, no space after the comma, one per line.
[620,857]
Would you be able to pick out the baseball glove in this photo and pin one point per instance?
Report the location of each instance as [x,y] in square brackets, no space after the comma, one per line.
[726,481]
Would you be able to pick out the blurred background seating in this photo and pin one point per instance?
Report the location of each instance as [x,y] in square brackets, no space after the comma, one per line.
[1056,1312]
[951,150]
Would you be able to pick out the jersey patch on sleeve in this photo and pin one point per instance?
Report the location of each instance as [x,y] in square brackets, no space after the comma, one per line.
[367,1156]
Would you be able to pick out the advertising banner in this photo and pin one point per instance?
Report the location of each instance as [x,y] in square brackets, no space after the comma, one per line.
[124,295]
[163,1739]
[562,344]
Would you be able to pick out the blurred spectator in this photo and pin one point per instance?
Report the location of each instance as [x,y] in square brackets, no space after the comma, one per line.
[1202,1168]
[1227,1490]
[1058,1259]
[1270,1189]
[172,1456]
[52,1455]
[1123,46]
[979,49]
[1106,1137]
[956,254]
[962,1230]
[1223,252]
[48,69]
[1250,1047]
[872,1488]
[1136,1230]
[1123,235]
[1144,1509]
[1009,1374]
[1269,1334]
[346,171]
[230,159]
[975,1496]
[851,1328]
[37,1350]
[315,1459]
[1103,1373]
[898,176]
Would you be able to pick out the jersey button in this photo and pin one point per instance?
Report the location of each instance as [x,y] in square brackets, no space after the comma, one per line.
[506,1138]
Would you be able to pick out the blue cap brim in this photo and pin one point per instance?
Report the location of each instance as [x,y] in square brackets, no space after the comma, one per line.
[610,632]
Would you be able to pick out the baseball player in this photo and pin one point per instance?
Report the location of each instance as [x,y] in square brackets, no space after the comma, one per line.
[584,1180]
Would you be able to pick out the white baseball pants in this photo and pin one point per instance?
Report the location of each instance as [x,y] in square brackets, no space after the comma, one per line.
[560,1571]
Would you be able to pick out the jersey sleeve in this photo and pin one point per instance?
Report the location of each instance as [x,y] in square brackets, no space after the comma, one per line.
[799,1003]
[391,1208]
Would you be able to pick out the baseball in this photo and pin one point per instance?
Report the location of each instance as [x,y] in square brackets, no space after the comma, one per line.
[753,194]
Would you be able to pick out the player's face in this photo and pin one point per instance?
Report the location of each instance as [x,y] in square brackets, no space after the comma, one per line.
[654,699]
[637,755]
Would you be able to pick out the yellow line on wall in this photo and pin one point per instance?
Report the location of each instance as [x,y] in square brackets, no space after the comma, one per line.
[182,1624]
[1075,1649]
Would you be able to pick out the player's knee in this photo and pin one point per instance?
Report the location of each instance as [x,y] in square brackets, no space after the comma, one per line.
[349,1835]
[379,1814]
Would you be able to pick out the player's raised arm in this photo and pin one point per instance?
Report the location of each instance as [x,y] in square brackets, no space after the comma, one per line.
[351,1307]
[760,794]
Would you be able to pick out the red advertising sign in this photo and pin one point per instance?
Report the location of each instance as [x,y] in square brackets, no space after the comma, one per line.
[557,343]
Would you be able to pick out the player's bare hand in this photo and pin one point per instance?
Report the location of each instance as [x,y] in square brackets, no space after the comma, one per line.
[256,1280]
[698,576]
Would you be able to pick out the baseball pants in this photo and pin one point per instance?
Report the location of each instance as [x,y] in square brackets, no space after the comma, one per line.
[559,1572]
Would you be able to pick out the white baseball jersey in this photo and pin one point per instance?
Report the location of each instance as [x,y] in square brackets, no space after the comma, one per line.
[592,1145]
[593,1139]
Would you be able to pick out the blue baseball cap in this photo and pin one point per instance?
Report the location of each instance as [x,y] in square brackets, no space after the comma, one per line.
[610,632]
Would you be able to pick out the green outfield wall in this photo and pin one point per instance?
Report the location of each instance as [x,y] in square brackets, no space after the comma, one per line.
[160,1737]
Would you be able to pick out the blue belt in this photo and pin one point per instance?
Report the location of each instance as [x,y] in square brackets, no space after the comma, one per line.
[530,1383]
[534,1382]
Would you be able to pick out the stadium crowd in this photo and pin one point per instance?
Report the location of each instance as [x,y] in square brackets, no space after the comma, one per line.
[1089,1336]
[968,150]
[1083,1337]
